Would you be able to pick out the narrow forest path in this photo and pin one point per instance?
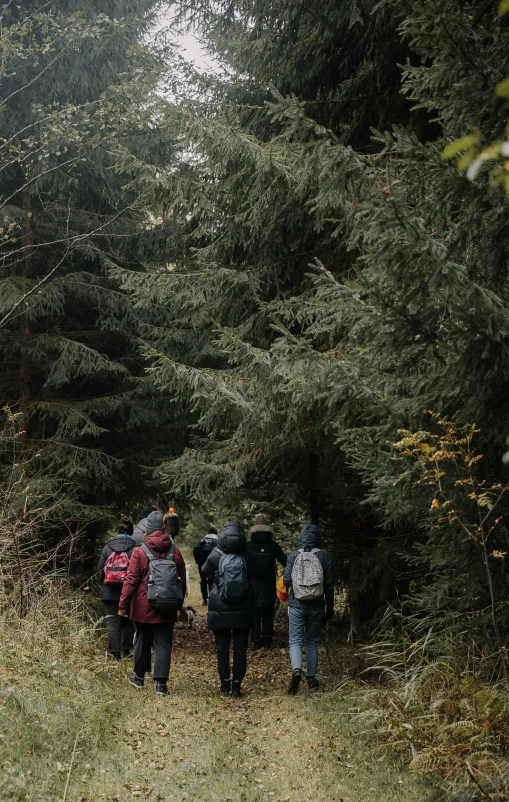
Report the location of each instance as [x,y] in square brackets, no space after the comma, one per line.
[193,745]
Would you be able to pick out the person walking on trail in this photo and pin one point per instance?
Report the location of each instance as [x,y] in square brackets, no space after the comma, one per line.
[152,595]
[200,553]
[231,604]
[139,530]
[112,570]
[309,576]
[261,555]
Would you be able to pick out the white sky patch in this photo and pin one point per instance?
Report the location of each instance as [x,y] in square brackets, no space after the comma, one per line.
[191,47]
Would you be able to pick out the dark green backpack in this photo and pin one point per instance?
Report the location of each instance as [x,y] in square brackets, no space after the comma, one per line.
[233,582]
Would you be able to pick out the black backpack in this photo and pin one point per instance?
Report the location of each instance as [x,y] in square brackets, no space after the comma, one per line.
[164,588]
[261,562]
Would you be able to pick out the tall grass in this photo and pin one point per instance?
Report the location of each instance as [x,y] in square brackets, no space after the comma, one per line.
[54,696]
[440,707]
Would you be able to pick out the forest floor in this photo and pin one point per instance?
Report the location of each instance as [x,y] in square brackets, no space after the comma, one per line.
[194,745]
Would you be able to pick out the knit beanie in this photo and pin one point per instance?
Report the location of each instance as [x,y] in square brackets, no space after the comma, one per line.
[212,530]
[154,522]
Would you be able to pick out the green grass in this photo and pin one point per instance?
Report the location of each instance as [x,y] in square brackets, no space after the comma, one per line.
[192,745]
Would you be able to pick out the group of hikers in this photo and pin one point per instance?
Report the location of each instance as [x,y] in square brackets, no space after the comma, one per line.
[144,582]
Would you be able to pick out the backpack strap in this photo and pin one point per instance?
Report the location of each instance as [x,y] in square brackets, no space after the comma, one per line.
[147,552]
[169,553]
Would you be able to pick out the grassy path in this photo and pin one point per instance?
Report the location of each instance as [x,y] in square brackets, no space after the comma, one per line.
[191,745]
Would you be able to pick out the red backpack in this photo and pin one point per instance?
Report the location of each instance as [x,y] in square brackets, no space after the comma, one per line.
[115,568]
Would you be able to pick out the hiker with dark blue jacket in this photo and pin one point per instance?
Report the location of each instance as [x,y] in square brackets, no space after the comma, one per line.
[228,617]
[120,630]
[309,576]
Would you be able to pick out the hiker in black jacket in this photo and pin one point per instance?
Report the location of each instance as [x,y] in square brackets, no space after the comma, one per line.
[306,616]
[200,553]
[261,555]
[120,630]
[229,620]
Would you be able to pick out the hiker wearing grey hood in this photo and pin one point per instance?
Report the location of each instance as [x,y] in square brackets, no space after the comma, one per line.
[140,528]
[309,576]
[120,630]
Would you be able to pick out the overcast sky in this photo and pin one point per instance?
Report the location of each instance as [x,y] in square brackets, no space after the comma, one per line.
[191,48]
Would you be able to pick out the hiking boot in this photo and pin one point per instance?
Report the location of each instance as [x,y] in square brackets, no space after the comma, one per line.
[267,647]
[313,683]
[236,694]
[136,682]
[256,646]
[116,658]
[161,689]
[204,602]
[225,687]
[295,681]
[127,654]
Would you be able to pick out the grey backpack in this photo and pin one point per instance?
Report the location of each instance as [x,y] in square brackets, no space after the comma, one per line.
[307,576]
[164,588]
[233,582]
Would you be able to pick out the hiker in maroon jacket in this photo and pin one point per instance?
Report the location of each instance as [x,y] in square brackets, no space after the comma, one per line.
[153,627]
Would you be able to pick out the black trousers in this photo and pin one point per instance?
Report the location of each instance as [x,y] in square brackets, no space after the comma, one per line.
[240,639]
[120,630]
[263,629]
[205,587]
[160,636]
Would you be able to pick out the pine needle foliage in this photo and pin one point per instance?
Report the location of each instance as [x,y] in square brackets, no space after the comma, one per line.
[330,284]
[75,79]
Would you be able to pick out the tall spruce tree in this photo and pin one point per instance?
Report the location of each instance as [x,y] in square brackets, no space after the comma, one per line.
[246,236]
[76,77]
[302,375]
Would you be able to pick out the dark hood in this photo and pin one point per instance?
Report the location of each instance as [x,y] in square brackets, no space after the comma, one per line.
[261,534]
[121,543]
[158,541]
[310,537]
[231,539]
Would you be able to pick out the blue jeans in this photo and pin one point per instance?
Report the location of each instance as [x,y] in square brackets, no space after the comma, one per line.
[305,625]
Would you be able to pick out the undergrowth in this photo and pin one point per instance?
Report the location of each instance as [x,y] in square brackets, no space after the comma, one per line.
[435,700]
[55,697]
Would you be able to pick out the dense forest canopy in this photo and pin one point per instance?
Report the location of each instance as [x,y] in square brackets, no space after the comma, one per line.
[254,280]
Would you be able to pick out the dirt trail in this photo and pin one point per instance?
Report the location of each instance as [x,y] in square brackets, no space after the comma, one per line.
[193,745]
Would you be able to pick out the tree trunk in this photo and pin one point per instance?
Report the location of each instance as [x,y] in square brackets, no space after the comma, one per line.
[25,376]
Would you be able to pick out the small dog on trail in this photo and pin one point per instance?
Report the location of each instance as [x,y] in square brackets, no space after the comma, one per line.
[187,616]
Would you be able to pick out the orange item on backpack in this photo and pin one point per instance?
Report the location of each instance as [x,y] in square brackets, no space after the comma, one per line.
[281,590]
